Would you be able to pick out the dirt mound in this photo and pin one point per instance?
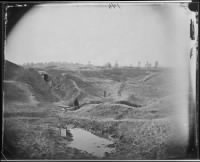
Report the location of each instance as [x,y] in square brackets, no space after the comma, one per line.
[11,70]
[70,86]
[104,110]
[38,86]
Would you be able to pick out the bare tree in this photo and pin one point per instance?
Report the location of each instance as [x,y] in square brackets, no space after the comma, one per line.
[116,64]
[156,64]
[138,64]
[108,65]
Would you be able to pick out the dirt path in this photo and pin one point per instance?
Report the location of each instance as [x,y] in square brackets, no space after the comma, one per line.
[149,76]
[77,87]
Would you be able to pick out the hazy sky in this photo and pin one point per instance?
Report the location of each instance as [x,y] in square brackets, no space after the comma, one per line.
[72,33]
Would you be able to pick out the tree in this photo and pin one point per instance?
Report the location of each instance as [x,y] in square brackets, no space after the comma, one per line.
[116,64]
[108,65]
[156,64]
[139,64]
[89,62]
[147,64]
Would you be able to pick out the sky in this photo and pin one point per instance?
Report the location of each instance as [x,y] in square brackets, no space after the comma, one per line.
[99,34]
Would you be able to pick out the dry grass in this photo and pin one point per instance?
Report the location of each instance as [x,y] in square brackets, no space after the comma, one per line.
[135,139]
[34,138]
[29,77]
[138,132]
[161,109]
[19,95]
[28,141]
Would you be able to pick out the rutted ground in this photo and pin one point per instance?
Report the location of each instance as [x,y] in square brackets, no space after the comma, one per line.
[135,114]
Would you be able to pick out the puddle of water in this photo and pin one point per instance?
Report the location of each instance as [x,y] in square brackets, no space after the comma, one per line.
[86,141]
[89,142]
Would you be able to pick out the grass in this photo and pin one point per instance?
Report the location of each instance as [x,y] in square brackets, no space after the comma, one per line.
[31,77]
[162,109]
[138,120]
[38,85]
[27,140]
[143,139]
[135,139]
[19,95]
[115,74]
[26,137]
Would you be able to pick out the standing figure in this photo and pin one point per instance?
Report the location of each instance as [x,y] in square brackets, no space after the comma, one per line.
[76,104]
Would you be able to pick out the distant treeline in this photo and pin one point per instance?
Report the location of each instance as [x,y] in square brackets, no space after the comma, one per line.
[106,65]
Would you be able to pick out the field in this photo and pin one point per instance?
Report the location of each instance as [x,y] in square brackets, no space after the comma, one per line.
[132,107]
